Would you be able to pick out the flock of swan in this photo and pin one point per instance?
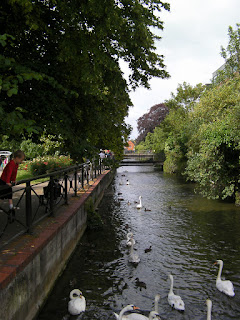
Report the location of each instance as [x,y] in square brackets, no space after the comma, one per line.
[77,303]
[174,300]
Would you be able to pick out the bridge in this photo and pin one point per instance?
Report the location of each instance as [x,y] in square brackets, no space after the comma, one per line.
[134,159]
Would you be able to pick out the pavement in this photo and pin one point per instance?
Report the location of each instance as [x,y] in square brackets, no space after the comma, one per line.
[39,209]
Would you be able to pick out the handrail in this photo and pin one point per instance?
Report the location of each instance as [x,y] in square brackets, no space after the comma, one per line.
[36,202]
[50,174]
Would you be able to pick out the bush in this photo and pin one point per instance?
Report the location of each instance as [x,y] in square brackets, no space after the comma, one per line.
[48,164]
[31,149]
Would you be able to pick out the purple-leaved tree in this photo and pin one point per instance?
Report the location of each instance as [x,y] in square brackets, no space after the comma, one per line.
[147,122]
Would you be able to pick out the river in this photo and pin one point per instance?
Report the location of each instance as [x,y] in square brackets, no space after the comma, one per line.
[187,234]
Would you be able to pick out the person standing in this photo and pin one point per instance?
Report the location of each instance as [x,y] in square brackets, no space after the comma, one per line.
[102,154]
[8,177]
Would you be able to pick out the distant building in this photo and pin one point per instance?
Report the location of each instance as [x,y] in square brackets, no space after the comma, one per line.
[222,68]
[131,146]
[215,73]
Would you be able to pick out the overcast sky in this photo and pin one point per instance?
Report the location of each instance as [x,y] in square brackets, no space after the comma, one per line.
[193,33]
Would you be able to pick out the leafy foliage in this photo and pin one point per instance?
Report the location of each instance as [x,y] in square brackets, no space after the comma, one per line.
[48,164]
[150,120]
[201,134]
[231,55]
[201,137]
[214,147]
[177,128]
[173,133]
[60,68]
[31,149]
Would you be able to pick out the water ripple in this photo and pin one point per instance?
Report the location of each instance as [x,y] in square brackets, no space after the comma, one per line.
[187,234]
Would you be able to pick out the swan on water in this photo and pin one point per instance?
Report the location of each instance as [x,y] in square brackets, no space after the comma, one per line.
[156,301]
[224,286]
[174,300]
[139,205]
[129,237]
[135,316]
[209,308]
[121,316]
[127,183]
[77,303]
[133,257]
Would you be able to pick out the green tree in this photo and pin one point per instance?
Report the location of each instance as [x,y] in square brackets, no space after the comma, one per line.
[31,149]
[176,127]
[141,147]
[61,69]
[172,135]
[156,141]
[214,147]
[231,55]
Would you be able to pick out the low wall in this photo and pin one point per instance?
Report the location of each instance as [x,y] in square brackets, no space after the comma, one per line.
[28,275]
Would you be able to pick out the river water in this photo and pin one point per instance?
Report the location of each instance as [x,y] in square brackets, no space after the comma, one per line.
[187,234]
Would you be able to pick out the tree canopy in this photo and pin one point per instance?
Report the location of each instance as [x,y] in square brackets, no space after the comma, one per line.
[147,122]
[201,134]
[201,137]
[60,69]
[231,55]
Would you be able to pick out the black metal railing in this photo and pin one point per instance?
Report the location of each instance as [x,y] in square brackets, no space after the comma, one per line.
[39,197]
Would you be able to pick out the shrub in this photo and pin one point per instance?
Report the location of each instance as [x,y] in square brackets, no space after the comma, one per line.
[31,149]
[40,166]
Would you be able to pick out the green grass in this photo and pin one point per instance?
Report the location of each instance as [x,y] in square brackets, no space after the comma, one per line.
[22,175]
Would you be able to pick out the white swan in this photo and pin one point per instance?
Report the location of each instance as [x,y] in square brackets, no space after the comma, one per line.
[174,300]
[135,316]
[129,237]
[77,303]
[139,205]
[224,286]
[127,183]
[121,316]
[133,257]
[156,300]
[209,308]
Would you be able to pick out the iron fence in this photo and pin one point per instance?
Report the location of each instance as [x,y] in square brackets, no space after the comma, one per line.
[39,197]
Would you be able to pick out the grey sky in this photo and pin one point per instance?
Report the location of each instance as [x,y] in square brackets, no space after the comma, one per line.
[193,34]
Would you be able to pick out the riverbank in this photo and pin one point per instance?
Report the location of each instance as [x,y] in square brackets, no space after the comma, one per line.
[30,265]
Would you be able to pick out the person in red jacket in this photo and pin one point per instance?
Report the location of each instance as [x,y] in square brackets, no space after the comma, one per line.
[8,178]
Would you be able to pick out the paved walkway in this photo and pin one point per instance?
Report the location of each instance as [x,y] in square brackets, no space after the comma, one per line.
[7,230]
